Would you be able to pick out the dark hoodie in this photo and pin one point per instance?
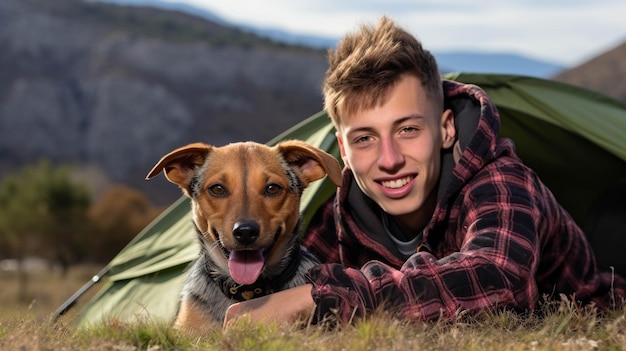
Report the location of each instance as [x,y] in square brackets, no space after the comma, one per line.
[497,238]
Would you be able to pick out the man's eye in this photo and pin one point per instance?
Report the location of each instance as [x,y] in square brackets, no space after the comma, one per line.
[405,130]
[273,190]
[362,139]
[218,190]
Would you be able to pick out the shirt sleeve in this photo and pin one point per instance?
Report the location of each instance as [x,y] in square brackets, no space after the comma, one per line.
[321,237]
[491,261]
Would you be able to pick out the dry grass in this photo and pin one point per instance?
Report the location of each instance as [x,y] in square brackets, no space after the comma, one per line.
[46,289]
[27,326]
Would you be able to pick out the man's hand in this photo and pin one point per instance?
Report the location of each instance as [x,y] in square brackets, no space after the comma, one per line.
[287,305]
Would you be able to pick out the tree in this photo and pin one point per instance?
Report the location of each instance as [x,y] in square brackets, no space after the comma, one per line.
[118,216]
[43,213]
[67,204]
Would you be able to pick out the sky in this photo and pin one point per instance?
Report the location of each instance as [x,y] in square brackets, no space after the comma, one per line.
[567,32]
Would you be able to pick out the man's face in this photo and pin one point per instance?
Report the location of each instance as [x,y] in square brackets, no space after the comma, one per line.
[394,151]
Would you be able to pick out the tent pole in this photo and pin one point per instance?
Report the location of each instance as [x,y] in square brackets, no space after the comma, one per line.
[72,299]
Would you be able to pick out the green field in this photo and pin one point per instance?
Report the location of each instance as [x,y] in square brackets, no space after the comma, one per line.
[25,324]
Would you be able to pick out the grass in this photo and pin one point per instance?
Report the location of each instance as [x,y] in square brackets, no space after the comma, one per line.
[559,326]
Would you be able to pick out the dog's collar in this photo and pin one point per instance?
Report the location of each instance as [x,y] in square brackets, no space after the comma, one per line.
[263,286]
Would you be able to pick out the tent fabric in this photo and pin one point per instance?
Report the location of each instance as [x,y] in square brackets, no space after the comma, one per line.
[145,278]
[575,140]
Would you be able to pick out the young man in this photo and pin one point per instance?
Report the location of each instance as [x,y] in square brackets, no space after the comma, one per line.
[437,215]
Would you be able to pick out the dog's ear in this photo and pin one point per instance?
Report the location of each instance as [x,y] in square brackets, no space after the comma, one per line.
[312,162]
[180,164]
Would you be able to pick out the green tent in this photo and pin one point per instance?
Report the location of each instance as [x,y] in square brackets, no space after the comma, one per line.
[574,138]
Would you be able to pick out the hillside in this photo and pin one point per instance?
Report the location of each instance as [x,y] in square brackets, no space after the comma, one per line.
[112,88]
[605,73]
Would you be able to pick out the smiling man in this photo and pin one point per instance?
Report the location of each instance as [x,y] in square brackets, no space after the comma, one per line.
[437,215]
[393,149]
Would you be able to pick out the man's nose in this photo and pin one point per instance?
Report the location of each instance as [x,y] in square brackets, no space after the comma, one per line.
[390,157]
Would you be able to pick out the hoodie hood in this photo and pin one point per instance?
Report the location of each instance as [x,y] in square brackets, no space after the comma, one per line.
[477,124]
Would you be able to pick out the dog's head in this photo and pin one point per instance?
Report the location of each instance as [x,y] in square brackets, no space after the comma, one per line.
[246,197]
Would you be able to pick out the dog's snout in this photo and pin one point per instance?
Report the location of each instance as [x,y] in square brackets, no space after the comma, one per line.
[246,232]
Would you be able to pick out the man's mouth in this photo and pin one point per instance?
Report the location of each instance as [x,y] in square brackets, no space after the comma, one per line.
[396,183]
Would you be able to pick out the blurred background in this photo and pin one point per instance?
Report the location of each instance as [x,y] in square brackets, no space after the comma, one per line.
[93,93]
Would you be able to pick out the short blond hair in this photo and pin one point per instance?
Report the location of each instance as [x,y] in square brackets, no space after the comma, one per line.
[367,63]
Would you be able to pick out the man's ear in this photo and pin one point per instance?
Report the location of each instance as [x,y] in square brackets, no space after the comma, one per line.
[448,130]
[180,164]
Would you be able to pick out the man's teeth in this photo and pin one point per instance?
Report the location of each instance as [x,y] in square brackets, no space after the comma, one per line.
[394,184]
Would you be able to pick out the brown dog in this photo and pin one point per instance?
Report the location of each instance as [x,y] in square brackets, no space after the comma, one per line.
[245,205]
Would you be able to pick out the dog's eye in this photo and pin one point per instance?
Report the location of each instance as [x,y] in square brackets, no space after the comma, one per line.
[273,190]
[218,190]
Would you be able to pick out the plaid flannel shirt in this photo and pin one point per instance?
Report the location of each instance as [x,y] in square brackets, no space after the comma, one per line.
[497,239]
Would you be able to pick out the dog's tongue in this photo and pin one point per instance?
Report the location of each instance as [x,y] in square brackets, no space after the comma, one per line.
[245,266]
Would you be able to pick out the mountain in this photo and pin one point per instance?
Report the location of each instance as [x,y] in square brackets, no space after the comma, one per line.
[171,6]
[605,73]
[282,36]
[505,63]
[278,35]
[450,61]
[112,88]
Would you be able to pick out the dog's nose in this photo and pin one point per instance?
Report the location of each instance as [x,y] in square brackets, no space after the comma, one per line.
[246,232]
